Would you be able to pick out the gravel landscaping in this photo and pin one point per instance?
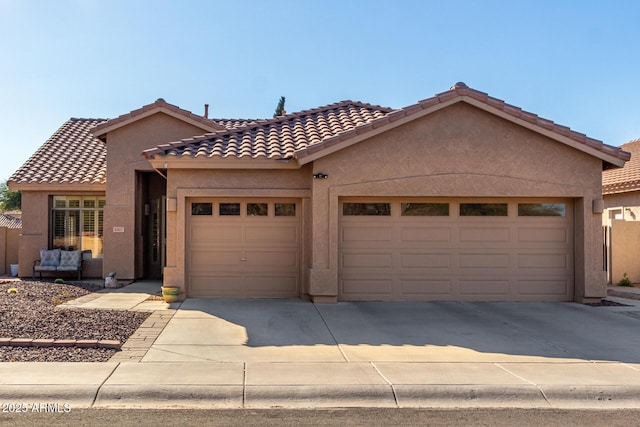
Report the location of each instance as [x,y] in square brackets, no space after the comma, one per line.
[31,312]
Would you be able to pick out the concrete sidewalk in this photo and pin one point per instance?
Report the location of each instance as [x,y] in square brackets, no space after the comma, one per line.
[322,385]
[246,353]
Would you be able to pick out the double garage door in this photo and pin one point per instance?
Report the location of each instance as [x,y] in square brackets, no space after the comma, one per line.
[243,248]
[456,249]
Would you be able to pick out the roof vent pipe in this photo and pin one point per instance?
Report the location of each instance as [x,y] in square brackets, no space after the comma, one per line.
[206,111]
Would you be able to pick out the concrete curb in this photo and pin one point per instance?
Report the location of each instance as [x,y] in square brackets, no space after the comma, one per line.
[324,396]
[169,396]
[320,396]
[470,396]
[76,395]
[594,397]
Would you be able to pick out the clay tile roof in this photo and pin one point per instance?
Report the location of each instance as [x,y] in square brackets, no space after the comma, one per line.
[235,123]
[10,221]
[71,155]
[276,138]
[626,178]
[74,155]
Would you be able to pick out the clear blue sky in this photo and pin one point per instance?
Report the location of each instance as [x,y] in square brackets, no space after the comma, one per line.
[574,62]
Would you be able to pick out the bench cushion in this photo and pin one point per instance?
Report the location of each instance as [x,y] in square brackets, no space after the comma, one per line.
[70,260]
[49,258]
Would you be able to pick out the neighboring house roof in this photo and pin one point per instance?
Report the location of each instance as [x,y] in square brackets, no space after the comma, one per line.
[312,134]
[160,105]
[627,178]
[276,138]
[70,156]
[9,221]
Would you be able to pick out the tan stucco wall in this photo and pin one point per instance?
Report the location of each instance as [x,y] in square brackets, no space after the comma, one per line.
[625,255]
[124,159]
[460,151]
[184,184]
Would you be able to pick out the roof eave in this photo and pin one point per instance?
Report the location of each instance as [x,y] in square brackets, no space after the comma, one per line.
[217,162]
[56,186]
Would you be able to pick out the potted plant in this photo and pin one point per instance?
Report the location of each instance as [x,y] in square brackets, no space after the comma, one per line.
[170,293]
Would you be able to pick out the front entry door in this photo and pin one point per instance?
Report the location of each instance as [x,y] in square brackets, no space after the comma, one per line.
[155,238]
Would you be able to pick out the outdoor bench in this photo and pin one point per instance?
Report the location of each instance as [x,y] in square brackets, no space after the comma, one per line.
[57,261]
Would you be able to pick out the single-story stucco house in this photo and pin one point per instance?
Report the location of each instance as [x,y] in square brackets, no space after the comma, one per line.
[621,217]
[460,196]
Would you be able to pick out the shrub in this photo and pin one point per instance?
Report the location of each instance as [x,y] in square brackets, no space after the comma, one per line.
[58,281]
[625,281]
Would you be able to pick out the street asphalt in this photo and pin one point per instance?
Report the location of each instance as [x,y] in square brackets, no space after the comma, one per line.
[269,353]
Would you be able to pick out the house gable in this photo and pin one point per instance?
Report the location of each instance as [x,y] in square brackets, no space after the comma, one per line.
[159,106]
[460,93]
[460,151]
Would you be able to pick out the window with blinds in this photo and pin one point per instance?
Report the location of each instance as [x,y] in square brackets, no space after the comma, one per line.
[78,223]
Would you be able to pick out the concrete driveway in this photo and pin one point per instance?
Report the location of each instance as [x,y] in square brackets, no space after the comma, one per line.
[271,330]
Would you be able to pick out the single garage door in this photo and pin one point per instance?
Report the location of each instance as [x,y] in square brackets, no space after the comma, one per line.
[243,248]
[458,249]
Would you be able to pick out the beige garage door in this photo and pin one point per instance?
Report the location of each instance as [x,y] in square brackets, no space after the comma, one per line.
[243,248]
[466,249]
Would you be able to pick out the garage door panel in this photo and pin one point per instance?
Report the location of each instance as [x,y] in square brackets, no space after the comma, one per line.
[367,234]
[263,286]
[210,258]
[426,234]
[365,288]
[543,234]
[543,261]
[558,287]
[272,235]
[484,260]
[484,235]
[205,235]
[495,286]
[224,285]
[425,287]
[367,260]
[272,260]
[425,261]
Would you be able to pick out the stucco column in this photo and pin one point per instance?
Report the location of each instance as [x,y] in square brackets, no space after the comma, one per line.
[323,274]
[590,277]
